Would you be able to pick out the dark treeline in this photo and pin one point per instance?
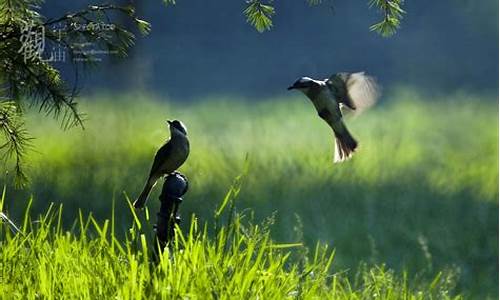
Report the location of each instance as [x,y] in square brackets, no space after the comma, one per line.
[200,48]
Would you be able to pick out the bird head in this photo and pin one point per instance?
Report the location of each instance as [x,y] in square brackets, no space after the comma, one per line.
[303,84]
[177,127]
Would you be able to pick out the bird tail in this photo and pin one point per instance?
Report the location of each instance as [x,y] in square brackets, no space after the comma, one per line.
[143,197]
[345,144]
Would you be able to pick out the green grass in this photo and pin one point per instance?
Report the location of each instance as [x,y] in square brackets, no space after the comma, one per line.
[240,261]
[420,196]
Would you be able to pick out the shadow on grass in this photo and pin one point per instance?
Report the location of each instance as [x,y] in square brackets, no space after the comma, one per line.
[406,225]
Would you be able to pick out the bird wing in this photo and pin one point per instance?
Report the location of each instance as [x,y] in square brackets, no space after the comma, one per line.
[362,90]
[161,155]
[336,84]
[354,90]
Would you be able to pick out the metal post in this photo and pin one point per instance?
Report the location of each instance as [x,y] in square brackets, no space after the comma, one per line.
[174,187]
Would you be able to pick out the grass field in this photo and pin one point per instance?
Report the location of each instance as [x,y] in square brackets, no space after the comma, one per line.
[239,262]
[420,196]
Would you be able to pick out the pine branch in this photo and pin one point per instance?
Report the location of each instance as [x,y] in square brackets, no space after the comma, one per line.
[114,38]
[17,139]
[36,81]
[91,9]
[259,15]
[393,13]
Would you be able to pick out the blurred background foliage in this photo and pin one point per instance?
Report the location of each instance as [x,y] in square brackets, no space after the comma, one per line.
[420,195]
[198,48]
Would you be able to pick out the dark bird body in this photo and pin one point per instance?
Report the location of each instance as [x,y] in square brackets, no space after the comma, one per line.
[167,159]
[355,91]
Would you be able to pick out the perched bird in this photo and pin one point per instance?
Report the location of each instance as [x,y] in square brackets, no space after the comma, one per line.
[167,159]
[356,91]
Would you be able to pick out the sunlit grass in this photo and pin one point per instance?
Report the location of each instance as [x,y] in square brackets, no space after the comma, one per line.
[241,261]
[404,137]
[420,195]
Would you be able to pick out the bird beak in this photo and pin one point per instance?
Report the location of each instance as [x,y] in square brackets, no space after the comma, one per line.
[291,87]
[169,122]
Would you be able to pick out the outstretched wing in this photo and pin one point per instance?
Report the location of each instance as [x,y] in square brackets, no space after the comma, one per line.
[354,90]
[362,90]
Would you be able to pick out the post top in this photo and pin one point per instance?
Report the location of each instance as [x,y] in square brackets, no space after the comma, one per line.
[175,186]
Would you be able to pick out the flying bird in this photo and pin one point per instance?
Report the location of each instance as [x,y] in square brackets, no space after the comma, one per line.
[355,91]
[167,159]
